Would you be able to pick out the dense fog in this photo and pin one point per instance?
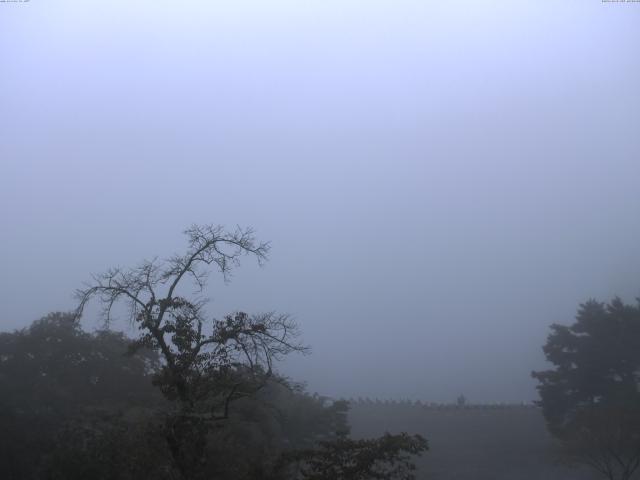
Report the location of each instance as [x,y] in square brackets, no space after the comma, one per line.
[439,181]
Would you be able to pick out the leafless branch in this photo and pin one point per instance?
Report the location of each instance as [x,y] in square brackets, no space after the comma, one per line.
[238,352]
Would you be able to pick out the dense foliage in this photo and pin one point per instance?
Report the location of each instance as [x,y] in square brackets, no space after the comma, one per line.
[381,458]
[591,399]
[53,376]
[79,405]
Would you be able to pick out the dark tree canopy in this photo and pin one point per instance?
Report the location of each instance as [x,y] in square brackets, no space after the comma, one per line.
[78,405]
[591,398]
[367,459]
[54,374]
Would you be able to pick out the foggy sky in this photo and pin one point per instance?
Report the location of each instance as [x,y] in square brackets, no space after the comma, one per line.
[440,181]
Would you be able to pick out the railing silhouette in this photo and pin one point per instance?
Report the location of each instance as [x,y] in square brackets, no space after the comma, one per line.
[419,404]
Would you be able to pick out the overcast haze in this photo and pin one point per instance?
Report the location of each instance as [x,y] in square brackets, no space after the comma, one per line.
[440,181]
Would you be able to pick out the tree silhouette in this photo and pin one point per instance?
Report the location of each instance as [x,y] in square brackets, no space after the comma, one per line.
[591,399]
[54,374]
[206,365]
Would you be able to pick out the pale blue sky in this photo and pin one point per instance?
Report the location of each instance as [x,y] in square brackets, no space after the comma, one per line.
[440,180]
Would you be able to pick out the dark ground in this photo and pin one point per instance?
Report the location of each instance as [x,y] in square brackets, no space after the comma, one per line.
[474,442]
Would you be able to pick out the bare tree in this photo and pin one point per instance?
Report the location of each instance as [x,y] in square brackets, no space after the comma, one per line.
[206,364]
